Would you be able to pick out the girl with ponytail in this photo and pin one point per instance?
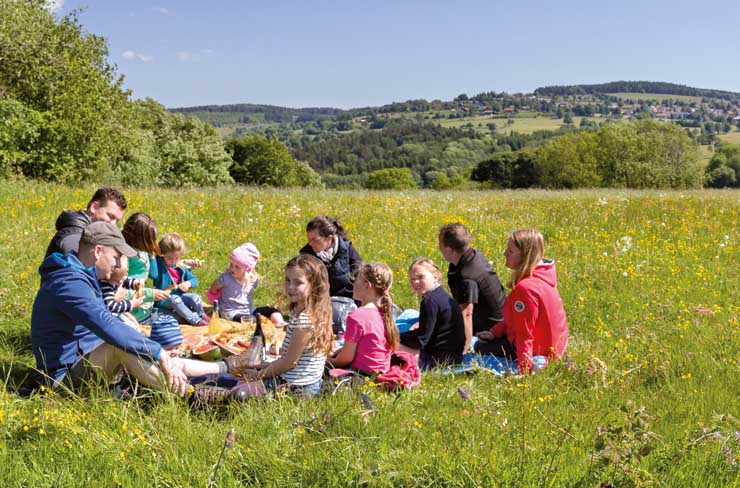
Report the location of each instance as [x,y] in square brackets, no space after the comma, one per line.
[371,334]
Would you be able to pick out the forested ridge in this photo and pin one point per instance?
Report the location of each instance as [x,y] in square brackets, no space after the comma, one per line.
[636,87]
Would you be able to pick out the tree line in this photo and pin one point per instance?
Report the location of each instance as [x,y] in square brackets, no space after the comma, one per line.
[643,154]
[65,117]
[636,87]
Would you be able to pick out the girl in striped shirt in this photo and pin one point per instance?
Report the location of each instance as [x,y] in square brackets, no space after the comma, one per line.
[308,337]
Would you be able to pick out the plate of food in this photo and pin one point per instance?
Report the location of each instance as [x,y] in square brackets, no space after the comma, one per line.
[232,344]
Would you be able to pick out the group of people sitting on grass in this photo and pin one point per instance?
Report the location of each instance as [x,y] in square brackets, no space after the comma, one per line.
[94,295]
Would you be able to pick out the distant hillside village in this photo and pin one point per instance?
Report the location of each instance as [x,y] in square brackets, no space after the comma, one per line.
[667,109]
[707,112]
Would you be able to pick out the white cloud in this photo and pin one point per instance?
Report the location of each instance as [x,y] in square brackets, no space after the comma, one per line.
[163,11]
[134,55]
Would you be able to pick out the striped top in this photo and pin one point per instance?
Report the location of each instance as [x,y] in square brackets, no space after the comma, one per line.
[310,366]
[109,295]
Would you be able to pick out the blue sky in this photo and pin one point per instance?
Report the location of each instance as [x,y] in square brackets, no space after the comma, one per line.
[351,54]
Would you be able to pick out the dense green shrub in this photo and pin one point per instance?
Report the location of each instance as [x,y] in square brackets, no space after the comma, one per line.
[391,179]
[723,170]
[261,161]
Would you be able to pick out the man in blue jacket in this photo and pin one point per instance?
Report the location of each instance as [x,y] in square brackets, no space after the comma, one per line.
[73,334]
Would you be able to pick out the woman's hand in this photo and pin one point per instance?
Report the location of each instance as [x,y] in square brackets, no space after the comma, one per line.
[486,335]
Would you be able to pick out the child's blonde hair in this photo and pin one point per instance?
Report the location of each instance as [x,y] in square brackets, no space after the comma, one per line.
[172,242]
[119,274]
[318,301]
[532,246]
[380,277]
[429,264]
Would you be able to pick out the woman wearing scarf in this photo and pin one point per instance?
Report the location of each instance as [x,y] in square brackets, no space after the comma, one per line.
[328,241]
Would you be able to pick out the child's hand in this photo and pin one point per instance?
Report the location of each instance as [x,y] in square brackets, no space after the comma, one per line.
[161,294]
[184,286]
[120,294]
[138,288]
[137,302]
[192,263]
[486,335]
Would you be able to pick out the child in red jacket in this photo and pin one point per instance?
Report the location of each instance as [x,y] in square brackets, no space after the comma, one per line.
[534,319]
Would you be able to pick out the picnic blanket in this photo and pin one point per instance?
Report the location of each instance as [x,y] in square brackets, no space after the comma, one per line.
[493,364]
[406,319]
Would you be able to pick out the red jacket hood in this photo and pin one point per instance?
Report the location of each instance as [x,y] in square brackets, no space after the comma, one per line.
[545,271]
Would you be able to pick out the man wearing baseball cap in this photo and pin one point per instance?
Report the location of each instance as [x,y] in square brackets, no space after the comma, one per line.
[73,334]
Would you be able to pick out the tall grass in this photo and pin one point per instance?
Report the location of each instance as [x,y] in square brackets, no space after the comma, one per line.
[646,397]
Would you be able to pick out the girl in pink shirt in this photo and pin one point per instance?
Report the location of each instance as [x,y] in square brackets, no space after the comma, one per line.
[371,334]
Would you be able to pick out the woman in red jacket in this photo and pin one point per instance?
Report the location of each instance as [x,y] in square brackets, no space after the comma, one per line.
[534,319]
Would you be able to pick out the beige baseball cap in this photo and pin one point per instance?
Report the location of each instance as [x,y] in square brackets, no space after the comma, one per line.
[106,234]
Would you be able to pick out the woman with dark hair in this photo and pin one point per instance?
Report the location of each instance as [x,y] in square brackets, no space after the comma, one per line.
[328,241]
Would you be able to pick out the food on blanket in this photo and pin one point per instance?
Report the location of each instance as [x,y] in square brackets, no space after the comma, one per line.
[208,352]
[232,344]
[191,341]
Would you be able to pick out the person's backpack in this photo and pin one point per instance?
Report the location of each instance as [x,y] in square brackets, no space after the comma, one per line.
[403,373]
[341,307]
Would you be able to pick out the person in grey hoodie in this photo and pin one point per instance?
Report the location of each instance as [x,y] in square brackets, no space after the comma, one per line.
[106,205]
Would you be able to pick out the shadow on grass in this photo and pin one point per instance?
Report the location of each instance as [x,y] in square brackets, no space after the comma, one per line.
[18,377]
[15,372]
[18,341]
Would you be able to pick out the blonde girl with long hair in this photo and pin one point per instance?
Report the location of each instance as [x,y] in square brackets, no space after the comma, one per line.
[440,338]
[535,323]
[371,334]
[308,337]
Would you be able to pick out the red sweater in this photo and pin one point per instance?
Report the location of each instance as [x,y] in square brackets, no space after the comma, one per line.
[534,318]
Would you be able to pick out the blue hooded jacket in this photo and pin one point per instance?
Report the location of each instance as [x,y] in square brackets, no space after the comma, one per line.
[69,318]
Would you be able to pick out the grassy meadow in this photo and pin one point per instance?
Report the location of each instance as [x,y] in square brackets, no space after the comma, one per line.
[646,396]
[730,137]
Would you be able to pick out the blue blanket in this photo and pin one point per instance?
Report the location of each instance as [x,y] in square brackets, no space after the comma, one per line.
[496,365]
[407,319]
